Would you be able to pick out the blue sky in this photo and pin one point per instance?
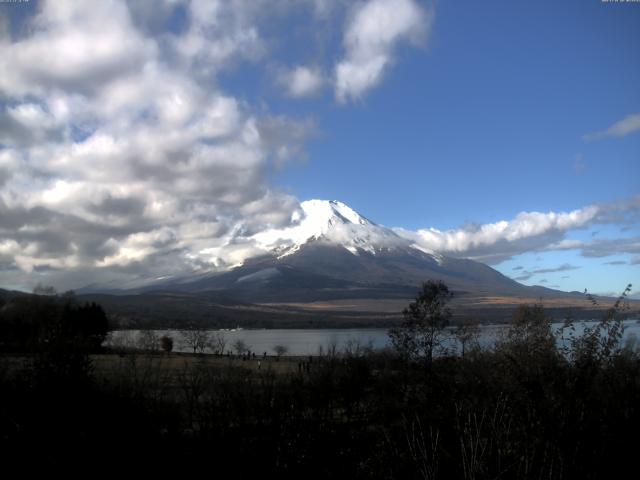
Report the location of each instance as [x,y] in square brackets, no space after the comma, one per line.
[488,119]
[451,116]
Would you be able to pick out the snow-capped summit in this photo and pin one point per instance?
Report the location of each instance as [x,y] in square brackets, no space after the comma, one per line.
[329,252]
[333,222]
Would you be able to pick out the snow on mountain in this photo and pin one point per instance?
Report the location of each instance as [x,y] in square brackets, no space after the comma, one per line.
[333,222]
[321,222]
[328,251]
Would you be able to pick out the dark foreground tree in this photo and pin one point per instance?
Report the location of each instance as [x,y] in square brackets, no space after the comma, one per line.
[529,334]
[467,334]
[166,344]
[421,332]
[280,350]
[240,347]
[196,339]
[33,323]
[218,343]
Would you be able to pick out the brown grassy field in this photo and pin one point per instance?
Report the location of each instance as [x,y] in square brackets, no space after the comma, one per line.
[167,371]
[462,306]
[176,363]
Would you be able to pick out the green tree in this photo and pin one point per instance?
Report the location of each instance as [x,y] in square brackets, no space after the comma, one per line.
[85,326]
[422,330]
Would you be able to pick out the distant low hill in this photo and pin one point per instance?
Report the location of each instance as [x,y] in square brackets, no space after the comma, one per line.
[166,309]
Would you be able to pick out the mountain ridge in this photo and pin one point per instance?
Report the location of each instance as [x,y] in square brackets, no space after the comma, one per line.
[330,251]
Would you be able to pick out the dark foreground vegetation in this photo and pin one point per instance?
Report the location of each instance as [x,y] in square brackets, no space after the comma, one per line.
[524,409]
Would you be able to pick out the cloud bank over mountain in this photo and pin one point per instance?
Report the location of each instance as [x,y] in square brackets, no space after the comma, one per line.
[120,149]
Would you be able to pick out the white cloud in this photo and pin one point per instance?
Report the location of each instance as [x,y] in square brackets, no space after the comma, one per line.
[121,155]
[302,81]
[371,37]
[73,45]
[628,125]
[525,225]
[528,231]
[219,32]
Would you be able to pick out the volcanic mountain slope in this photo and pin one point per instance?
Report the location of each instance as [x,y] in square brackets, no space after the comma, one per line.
[332,252]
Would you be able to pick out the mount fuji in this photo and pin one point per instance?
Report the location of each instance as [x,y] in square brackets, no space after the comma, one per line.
[331,223]
[330,263]
[331,252]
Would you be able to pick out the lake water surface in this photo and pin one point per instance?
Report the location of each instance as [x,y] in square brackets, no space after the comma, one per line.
[310,341]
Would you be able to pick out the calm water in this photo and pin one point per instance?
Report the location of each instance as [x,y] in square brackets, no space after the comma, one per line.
[309,342]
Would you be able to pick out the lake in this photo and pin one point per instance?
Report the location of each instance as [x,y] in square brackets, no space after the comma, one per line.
[309,342]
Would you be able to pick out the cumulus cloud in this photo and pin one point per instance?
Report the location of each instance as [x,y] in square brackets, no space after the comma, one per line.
[628,125]
[532,231]
[92,47]
[302,81]
[373,32]
[123,157]
[119,154]
[498,241]
[219,32]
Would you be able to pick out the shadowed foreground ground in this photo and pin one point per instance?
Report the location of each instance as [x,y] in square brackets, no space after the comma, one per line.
[514,413]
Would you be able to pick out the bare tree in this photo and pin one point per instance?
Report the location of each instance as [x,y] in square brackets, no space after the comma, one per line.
[148,341]
[217,343]
[280,350]
[331,350]
[240,346]
[196,339]
[122,341]
[357,348]
[467,333]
